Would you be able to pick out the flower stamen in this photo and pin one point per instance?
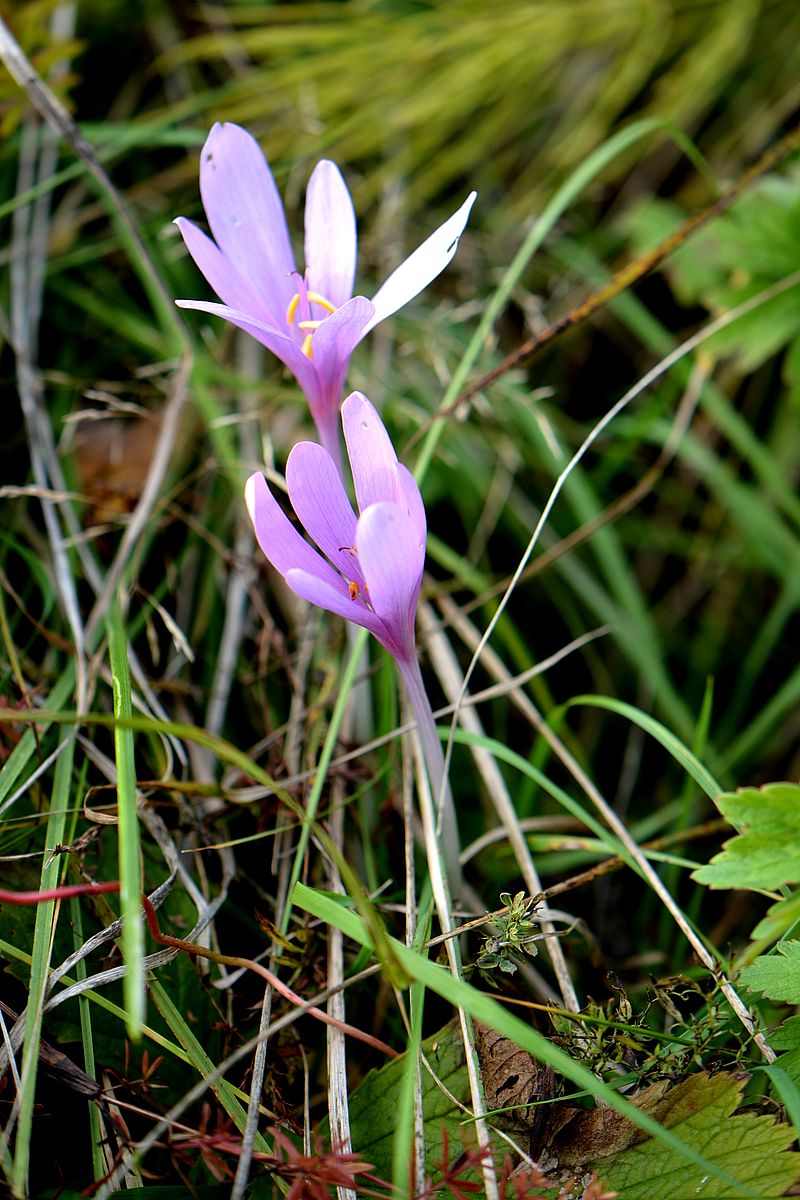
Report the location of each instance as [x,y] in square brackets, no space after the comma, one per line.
[306,346]
[312,298]
[322,301]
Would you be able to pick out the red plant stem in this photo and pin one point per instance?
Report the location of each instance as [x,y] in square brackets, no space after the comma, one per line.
[88,889]
[59,893]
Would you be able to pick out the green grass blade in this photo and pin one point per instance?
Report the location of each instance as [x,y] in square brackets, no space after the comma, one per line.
[87,1040]
[197,1056]
[130,871]
[312,805]
[40,962]
[403,1145]
[606,842]
[25,749]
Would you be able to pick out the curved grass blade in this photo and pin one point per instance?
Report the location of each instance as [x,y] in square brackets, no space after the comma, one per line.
[701,775]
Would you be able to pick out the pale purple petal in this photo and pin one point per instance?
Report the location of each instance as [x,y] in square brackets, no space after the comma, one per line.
[281,543]
[331,347]
[281,345]
[336,599]
[371,453]
[246,215]
[340,333]
[411,498]
[392,556]
[320,501]
[427,261]
[330,235]
[231,287]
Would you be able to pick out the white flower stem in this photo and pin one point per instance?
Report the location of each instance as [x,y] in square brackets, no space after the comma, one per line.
[447,825]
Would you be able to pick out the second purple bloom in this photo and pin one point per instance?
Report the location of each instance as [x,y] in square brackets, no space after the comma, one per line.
[372,569]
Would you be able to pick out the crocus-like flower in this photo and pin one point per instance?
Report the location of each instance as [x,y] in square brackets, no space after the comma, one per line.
[372,568]
[312,322]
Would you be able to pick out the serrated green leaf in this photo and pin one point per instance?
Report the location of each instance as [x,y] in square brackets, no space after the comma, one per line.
[701,1111]
[766,853]
[787,1035]
[776,975]
[787,1038]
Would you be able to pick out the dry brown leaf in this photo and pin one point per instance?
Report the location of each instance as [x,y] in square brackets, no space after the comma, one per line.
[512,1077]
[112,458]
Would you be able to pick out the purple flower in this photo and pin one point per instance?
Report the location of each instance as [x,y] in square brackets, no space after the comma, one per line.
[372,568]
[312,322]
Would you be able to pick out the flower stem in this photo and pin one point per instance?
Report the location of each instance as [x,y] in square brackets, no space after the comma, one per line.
[447,825]
[330,439]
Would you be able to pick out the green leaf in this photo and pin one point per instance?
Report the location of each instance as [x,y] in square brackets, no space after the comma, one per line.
[787,1035]
[787,1038]
[778,919]
[776,975]
[766,853]
[40,965]
[700,1110]
[754,244]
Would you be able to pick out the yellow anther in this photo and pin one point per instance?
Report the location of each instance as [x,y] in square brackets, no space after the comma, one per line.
[306,346]
[292,309]
[313,298]
[308,324]
[316,298]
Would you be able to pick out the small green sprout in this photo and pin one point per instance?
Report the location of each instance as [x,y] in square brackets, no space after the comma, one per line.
[514,937]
